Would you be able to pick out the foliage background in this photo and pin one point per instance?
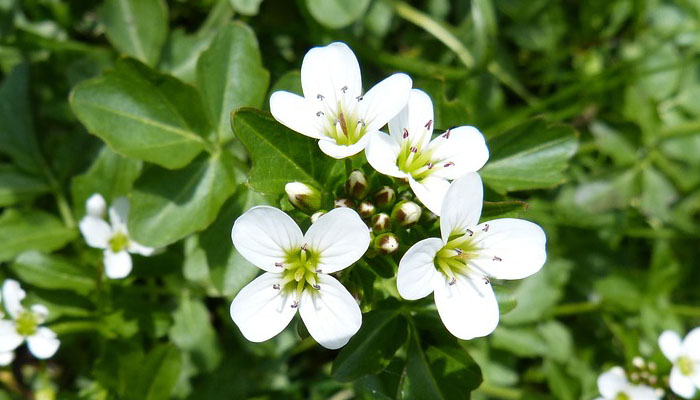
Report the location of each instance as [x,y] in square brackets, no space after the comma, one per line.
[591,114]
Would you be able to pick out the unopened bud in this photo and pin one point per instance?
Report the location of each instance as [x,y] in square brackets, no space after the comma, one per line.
[357,185]
[638,362]
[386,243]
[406,195]
[652,366]
[366,209]
[406,213]
[343,203]
[385,198]
[315,216]
[96,205]
[634,377]
[381,222]
[304,197]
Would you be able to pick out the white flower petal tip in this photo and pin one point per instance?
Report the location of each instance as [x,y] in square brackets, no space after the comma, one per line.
[461,207]
[296,113]
[339,237]
[95,205]
[117,265]
[96,231]
[9,338]
[6,358]
[468,308]
[670,345]
[43,344]
[338,151]
[12,295]
[417,274]
[681,384]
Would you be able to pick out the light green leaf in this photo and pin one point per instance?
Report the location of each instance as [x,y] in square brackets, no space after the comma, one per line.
[658,194]
[169,205]
[246,7]
[533,155]
[53,272]
[230,75]
[31,230]
[137,28]
[336,14]
[383,332]
[279,155]
[143,114]
[192,331]
[17,186]
[155,376]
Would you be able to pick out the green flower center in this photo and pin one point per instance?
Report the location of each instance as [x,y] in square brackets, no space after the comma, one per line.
[417,161]
[27,323]
[118,242]
[453,258]
[686,366]
[340,121]
[299,272]
[622,396]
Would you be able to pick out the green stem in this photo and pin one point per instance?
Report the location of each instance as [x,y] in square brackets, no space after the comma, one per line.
[686,310]
[348,166]
[576,308]
[499,392]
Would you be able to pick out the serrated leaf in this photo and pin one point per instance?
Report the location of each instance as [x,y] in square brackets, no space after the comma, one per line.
[279,155]
[142,114]
[53,272]
[31,230]
[533,155]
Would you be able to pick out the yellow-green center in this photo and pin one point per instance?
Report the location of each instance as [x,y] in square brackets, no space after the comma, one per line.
[299,271]
[118,242]
[454,257]
[342,123]
[26,323]
[415,160]
[622,396]
[686,366]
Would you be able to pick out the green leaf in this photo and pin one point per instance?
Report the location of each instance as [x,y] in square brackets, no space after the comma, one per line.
[143,114]
[230,75]
[137,28]
[169,205]
[502,209]
[336,14]
[31,230]
[533,155]
[53,272]
[110,175]
[658,194]
[155,376]
[246,7]
[438,373]
[290,82]
[17,139]
[17,186]
[383,332]
[279,155]
[192,331]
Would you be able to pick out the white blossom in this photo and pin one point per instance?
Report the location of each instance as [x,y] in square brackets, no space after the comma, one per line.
[334,108]
[297,274]
[685,356]
[113,237]
[613,385]
[428,165]
[458,267]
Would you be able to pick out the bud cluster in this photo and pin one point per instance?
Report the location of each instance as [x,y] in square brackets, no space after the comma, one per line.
[645,373]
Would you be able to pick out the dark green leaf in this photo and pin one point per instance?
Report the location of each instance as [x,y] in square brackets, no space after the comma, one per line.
[17,186]
[31,230]
[53,272]
[336,14]
[502,209]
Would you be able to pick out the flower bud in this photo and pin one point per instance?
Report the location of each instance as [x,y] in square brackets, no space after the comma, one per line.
[96,205]
[406,213]
[343,203]
[366,209]
[357,186]
[386,243]
[385,198]
[381,222]
[304,197]
[315,216]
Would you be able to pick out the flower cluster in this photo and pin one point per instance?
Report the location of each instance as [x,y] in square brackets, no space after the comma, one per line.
[24,325]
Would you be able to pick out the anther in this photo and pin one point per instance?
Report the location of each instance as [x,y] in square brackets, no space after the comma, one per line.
[295,304]
[429,124]
[414,149]
[458,251]
[320,97]
[276,286]
[496,258]
[470,232]
[359,98]
[344,89]
[453,281]
[405,133]
[361,122]
[318,114]
[429,165]
[278,264]
[449,164]
[446,135]
[486,228]
[317,287]
[318,271]
[303,247]
[486,280]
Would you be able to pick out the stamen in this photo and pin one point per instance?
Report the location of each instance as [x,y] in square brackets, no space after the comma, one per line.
[446,135]
[278,264]
[429,124]
[343,123]
[344,89]
[470,232]
[405,133]
[276,286]
[429,165]
[317,287]
[361,122]
[320,97]
[486,228]
[320,113]
[496,258]
[459,251]
[486,280]
[359,98]
[295,304]
[414,149]
[303,247]
[318,271]
[453,281]
[449,164]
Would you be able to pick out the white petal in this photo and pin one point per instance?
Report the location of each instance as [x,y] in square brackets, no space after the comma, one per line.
[691,345]
[680,384]
[382,152]
[641,392]
[417,274]
[385,100]
[296,113]
[117,265]
[468,308]
[6,358]
[695,377]
[119,213]
[12,296]
[331,314]
[263,235]
[40,311]
[96,231]
[461,208]
[326,70]
[260,311]
[96,205]
[612,382]
[416,118]
[340,237]
[431,192]
[43,344]
[337,151]
[670,345]
[9,338]
[465,149]
[510,248]
[140,249]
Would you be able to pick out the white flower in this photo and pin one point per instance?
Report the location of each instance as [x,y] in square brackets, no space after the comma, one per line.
[429,165]
[25,325]
[685,356]
[613,385]
[6,357]
[114,237]
[458,266]
[296,277]
[333,108]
